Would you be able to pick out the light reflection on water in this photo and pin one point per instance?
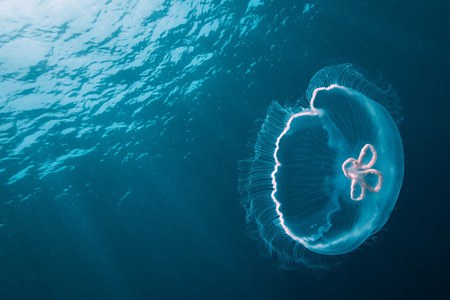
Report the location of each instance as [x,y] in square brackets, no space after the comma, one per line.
[74,74]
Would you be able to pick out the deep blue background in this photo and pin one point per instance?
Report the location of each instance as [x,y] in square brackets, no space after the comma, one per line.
[169,224]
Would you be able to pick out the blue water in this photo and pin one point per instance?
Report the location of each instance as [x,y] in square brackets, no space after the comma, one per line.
[122,124]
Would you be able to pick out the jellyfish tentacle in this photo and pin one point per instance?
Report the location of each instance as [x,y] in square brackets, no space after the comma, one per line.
[363,154]
[349,166]
[362,189]
[377,187]
[356,171]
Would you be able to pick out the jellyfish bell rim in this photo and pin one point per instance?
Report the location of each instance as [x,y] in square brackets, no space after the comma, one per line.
[311,112]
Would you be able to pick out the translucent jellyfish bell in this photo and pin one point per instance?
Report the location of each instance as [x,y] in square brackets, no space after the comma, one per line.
[327,176]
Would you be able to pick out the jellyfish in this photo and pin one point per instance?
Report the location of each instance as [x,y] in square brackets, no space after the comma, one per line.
[325,175]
